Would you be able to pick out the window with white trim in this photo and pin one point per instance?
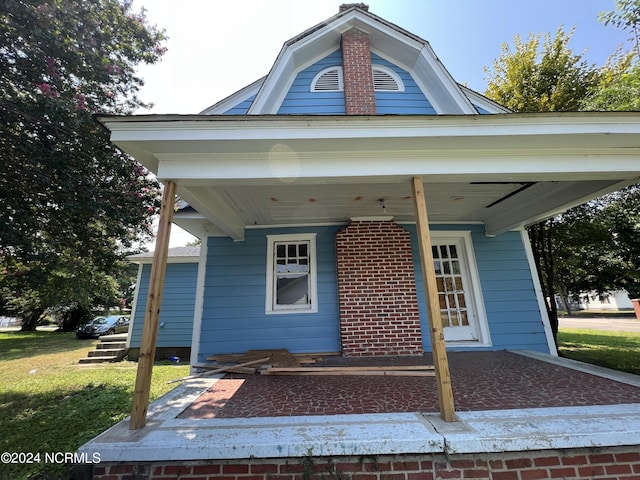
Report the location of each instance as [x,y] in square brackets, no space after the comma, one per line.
[291,274]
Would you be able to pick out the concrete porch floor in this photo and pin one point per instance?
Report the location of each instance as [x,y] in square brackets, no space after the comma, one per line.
[505,401]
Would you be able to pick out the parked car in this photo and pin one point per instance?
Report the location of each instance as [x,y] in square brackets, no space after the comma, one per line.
[104,326]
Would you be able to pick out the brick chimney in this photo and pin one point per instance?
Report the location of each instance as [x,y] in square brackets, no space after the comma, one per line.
[359,95]
[379,312]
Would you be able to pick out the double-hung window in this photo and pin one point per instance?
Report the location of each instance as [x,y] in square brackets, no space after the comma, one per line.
[291,274]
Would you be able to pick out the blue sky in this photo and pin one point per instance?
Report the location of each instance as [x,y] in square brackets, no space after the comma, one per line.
[216,46]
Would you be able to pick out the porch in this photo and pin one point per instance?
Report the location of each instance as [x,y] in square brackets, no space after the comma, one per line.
[516,401]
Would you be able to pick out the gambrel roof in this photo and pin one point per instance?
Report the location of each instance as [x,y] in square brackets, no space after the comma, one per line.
[392,44]
[279,152]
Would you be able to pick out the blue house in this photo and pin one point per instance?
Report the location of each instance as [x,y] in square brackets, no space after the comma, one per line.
[305,188]
[178,307]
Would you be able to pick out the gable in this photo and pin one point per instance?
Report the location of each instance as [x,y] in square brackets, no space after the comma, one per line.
[408,77]
[287,87]
[237,103]
[300,99]
[396,92]
[410,101]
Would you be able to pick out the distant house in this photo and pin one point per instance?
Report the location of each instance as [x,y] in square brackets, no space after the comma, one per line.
[300,187]
[614,301]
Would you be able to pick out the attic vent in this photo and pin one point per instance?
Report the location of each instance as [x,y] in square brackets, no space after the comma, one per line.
[386,80]
[328,80]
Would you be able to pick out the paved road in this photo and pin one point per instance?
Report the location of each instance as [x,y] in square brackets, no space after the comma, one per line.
[603,323]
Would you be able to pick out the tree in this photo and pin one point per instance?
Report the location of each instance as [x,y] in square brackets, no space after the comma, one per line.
[537,78]
[626,16]
[70,202]
[540,78]
[618,87]
[619,212]
[593,247]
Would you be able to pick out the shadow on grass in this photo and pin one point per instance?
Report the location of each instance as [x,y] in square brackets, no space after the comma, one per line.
[617,351]
[59,421]
[17,345]
[618,314]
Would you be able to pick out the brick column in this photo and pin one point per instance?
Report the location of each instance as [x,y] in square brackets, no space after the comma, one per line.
[377,290]
[359,95]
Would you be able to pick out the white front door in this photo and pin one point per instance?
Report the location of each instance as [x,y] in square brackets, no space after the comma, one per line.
[455,293]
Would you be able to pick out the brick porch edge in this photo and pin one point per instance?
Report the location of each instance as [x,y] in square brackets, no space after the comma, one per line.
[587,463]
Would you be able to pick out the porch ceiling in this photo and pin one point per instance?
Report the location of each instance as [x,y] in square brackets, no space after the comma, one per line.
[500,205]
[505,171]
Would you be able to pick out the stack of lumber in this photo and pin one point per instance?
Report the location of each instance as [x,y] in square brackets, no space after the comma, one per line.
[277,358]
[390,371]
[282,362]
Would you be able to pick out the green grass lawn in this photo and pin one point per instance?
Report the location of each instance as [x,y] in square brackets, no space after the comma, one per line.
[49,403]
[615,350]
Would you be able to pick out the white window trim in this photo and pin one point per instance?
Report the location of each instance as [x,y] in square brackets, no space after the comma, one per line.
[393,75]
[313,277]
[321,73]
[484,338]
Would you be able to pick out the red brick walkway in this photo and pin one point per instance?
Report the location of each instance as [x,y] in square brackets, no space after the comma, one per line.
[481,381]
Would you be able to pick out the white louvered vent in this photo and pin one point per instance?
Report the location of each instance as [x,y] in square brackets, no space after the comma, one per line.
[328,80]
[385,80]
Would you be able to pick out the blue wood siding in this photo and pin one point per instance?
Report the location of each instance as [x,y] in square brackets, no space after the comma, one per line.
[234,318]
[177,309]
[410,102]
[241,108]
[300,100]
[511,305]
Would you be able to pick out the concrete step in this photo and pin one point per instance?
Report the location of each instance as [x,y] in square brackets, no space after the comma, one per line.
[118,337]
[98,359]
[107,352]
[112,346]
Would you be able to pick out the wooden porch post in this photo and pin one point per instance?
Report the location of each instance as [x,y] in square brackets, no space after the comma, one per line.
[440,361]
[152,313]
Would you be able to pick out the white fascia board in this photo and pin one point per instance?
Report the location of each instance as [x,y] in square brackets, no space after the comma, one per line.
[347,167]
[175,255]
[293,57]
[134,304]
[233,127]
[537,286]
[199,301]
[176,259]
[417,57]
[210,147]
[484,102]
[439,85]
[234,99]
[274,89]
[216,210]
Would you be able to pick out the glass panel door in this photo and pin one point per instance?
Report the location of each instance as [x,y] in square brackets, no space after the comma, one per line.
[459,319]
